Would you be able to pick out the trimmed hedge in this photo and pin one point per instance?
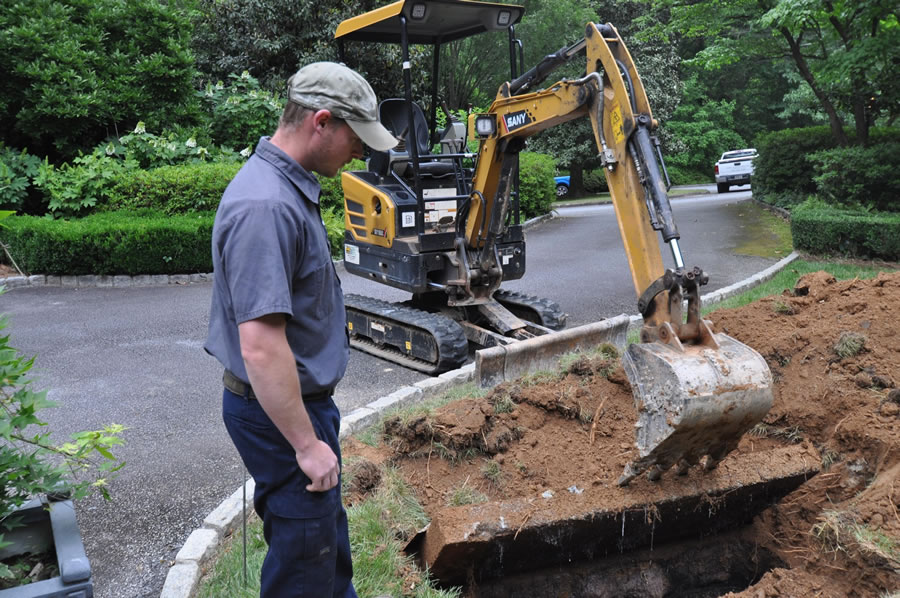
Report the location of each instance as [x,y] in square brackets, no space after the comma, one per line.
[783,173]
[826,230]
[111,243]
[178,189]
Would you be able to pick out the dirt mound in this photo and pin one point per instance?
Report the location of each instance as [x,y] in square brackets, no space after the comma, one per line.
[834,351]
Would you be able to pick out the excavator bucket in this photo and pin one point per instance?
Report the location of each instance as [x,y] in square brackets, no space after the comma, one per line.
[693,401]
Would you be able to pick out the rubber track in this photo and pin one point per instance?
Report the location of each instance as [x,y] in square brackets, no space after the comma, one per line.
[453,347]
[551,314]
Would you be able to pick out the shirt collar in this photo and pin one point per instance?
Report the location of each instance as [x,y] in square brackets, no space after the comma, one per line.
[305,182]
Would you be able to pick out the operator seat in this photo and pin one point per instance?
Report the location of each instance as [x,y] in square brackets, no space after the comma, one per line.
[392,114]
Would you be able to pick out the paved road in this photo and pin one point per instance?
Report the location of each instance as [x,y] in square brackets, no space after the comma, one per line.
[133,356]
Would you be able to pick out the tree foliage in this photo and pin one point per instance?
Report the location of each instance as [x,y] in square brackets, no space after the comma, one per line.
[76,71]
[573,144]
[271,39]
[845,51]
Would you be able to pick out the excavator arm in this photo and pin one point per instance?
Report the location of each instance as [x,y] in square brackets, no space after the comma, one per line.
[696,391]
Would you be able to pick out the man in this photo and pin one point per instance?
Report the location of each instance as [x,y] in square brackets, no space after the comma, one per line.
[277,325]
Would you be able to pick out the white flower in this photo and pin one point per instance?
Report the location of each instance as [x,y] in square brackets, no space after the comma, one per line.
[220,85]
[191,142]
[110,149]
[140,129]
[245,75]
[246,152]
[202,152]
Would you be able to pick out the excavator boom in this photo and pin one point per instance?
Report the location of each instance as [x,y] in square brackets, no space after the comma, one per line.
[696,392]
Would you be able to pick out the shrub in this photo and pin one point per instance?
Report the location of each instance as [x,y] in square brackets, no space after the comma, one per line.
[686,176]
[783,173]
[171,147]
[826,230]
[595,181]
[859,176]
[141,242]
[17,173]
[81,68]
[74,189]
[173,189]
[240,112]
[537,189]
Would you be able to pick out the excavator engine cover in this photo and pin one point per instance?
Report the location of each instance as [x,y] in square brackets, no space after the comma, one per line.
[693,400]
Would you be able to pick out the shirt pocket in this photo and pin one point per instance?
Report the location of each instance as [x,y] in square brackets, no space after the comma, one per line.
[323,283]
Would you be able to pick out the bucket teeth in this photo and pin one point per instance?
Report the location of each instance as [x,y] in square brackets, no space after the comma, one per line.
[693,401]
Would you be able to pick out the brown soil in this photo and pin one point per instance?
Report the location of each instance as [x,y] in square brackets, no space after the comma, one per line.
[571,435]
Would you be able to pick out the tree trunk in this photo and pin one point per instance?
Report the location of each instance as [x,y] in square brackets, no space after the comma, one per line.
[576,180]
[861,118]
[837,127]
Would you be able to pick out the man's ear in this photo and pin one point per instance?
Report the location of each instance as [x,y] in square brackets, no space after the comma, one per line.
[321,118]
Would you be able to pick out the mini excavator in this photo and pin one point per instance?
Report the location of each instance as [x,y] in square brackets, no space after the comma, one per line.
[443,223]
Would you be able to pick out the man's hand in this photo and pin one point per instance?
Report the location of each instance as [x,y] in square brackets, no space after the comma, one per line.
[320,464]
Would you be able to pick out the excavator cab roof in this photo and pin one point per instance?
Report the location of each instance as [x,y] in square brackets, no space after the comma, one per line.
[429,21]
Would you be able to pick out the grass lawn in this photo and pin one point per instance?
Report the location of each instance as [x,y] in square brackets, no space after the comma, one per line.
[378,525]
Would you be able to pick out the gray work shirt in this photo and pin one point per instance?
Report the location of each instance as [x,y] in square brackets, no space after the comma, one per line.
[271,255]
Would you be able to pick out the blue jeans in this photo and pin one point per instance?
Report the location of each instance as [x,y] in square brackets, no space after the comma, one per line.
[309,544]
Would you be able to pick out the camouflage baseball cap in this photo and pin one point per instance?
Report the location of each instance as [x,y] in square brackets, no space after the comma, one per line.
[344,92]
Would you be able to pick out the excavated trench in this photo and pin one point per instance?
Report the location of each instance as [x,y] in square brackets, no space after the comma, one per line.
[703,568]
[520,484]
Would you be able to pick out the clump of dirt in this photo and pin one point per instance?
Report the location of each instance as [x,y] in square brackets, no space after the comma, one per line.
[834,351]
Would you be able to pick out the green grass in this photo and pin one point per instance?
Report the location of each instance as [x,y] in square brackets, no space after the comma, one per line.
[379,529]
[788,277]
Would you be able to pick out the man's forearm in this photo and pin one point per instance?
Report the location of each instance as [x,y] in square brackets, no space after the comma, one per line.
[273,376]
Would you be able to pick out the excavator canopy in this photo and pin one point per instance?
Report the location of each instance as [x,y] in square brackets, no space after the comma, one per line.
[429,22]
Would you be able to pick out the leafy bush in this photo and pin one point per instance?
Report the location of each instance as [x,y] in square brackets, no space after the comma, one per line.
[141,242]
[171,147]
[74,189]
[82,68]
[173,189]
[334,225]
[859,176]
[17,173]
[823,229]
[595,181]
[783,173]
[686,176]
[240,112]
[536,186]
[30,463]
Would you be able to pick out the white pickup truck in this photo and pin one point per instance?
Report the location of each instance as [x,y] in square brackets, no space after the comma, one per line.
[734,168]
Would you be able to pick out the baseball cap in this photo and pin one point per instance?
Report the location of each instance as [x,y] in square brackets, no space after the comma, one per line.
[344,92]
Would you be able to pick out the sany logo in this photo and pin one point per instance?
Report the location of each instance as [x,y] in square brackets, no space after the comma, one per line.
[516,120]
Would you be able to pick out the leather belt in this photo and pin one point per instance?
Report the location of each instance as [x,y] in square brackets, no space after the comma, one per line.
[239,387]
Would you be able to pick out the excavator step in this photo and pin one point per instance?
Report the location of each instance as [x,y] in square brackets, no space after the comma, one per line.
[485,541]
[422,341]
